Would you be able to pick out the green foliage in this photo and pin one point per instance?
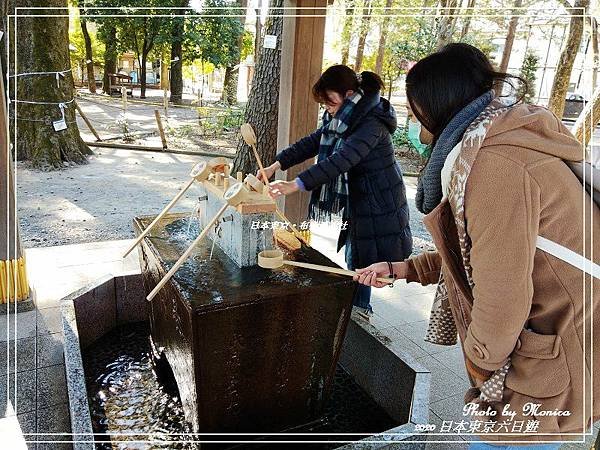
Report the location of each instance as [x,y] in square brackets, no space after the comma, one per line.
[482,43]
[528,73]
[213,39]
[141,35]
[216,39]
[417,41]
[77,43]
[247,44]
[399,138]
[215,120]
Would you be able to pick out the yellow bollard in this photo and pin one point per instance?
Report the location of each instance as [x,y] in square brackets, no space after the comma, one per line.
[13,274]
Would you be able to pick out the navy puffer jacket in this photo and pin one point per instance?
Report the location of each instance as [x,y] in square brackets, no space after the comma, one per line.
[378,217]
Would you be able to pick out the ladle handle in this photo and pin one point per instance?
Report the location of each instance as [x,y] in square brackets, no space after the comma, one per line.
[157,218]
[187,253]
[285,219]
[337,270]
[277,210]
[260,165]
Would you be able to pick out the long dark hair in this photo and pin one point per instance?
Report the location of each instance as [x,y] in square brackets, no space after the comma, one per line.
[341,79]
[443,83]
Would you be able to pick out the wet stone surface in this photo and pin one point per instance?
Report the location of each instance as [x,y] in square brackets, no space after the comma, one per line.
[209,276]
[128,395]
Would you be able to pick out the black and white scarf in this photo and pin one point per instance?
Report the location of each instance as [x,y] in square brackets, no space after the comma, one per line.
[332,197]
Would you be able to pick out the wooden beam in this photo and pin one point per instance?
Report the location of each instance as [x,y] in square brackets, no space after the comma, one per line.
[146,148]
[160,128]
[87,122]
[301,66]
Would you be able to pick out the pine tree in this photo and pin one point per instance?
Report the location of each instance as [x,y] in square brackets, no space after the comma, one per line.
[528,73]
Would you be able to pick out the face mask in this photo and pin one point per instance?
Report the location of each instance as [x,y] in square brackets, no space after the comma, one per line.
[413,135]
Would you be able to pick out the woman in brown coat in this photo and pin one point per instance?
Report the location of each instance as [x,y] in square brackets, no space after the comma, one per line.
[505,211]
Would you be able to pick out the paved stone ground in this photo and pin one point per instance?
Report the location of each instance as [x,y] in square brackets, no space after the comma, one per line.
[33,392]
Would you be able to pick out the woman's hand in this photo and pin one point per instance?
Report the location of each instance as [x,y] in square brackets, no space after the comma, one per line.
[269,171]
[369,275]
[279,187]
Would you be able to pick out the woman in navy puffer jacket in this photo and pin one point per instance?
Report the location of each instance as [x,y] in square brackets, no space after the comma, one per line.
[356,174]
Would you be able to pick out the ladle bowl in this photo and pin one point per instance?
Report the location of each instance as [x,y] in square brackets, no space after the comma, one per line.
[270,259]
[248,134]
[200,171]
[273,259]
[236,194]
[254,183]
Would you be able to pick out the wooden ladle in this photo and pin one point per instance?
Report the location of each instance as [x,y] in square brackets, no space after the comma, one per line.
[199,172]
[250,138]
[272,259]
[235,195]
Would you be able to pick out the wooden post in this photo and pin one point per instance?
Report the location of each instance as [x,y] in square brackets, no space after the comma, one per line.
[87,122]
[13,273]
[166,103]
[301,66]
[586,123]
[124,99]
[160,129]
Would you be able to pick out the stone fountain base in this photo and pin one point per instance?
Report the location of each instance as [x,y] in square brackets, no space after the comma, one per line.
[396,382]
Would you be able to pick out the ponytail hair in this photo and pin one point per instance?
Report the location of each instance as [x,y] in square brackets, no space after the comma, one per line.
[341,79]
[370,82]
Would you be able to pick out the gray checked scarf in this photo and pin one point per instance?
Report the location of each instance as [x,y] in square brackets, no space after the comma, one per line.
[429,187]
[332,197]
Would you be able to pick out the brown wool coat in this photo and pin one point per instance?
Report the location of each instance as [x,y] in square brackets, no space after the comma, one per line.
[526,305]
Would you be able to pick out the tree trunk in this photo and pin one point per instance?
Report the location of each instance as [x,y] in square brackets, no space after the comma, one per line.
[583,128]
[364,31]
[560,85]
[89,57]
[176,82]
[143,72]
[446,22]
[347,31]
[596,63]
[382,34]
[263,99]
[4,20]
[230,78]
[230,81]
[110,58]
[43,45]
[258,28]
[510,36]
[467,19]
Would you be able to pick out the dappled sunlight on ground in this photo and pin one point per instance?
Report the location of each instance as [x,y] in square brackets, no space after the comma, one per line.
[98,201]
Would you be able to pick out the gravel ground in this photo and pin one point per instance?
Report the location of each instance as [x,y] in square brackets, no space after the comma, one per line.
[97,201]
[181,125]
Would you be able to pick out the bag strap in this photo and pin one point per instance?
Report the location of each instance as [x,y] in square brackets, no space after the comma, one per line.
[568,256]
